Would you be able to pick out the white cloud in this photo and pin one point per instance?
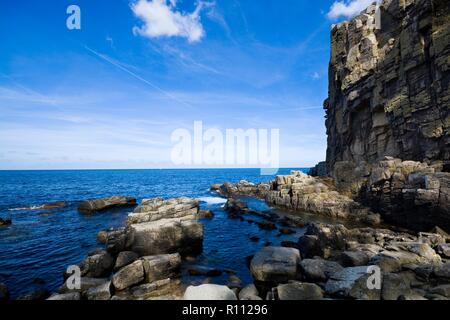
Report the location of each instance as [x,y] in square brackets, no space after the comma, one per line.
[348,8]
[161,19]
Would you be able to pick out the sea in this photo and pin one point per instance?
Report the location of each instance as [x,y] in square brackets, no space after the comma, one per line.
[40,243]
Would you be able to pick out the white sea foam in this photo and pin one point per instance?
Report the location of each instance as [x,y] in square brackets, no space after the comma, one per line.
[27,208]
[213,200]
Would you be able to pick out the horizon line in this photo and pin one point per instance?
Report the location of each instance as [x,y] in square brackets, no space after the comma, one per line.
[117,169]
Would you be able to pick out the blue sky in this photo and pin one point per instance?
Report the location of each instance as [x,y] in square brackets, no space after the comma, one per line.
[109,95]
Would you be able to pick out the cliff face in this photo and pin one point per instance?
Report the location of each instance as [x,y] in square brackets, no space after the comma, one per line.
[389,89]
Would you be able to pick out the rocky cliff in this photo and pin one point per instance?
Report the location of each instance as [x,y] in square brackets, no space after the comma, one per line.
[389,87]
[389,105]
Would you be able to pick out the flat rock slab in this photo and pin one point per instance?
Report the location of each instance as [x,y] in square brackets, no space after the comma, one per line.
[158,208]
[166,236]
[275,264]
[95,205]
[299,291]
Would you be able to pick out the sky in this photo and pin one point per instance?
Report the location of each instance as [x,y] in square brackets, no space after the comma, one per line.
[110,94]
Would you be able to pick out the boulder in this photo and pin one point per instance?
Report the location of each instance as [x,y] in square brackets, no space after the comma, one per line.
[160,267]
[318,270]
[66,296]
[37,294]
[309,246]
[97,265]
[166,236]
[443,290]
[205,214]
[398,254]
[394,286]
[158,208]
[85,284]
[96,205]
[249,292]
[5,222]
[443,271]
[354,258]
[125,258]
[209,292]
[352,283]
[167,289]
[275,264]
[129,275]
[102,292]
[443,250]
[295,290]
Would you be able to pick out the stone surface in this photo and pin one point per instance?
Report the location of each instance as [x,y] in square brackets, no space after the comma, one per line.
[161,267]
[95,205]
[166,289]
[249,292]
[299,291]
[209,292]
[125,258]
[158,208]
[129,275]
[318,270]
[35,295]
[97,265]
[85,284]
[275,264]
[394,286]
[102,292]
[5,222]
[351,283]
[166,236]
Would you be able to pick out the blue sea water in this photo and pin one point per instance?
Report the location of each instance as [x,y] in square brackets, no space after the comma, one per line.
[40,244]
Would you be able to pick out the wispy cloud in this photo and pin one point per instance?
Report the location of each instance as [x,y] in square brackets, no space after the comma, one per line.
[161,19]
[348,8]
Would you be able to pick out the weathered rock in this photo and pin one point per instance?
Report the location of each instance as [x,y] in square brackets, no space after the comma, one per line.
[85,284]
[102,292]
[205,214]
[209,292]
[96,205]
[166,236]
[318,270]
[161,267]
[234,282]
[399,254]
[166,289]
[4,292]
[37,294]
[65,296]
[275,264]
[443,271]
[129,275]
[249,292]
[97,265]
[354,258]
[299,291]
[443,290]
[443,250]
[394,286]
[125,258]
[309,246]
[5,222]
[158,208]
[236,206]
[352,283]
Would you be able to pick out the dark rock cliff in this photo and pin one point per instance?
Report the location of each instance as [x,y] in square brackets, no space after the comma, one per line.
[389,101]
[389,85]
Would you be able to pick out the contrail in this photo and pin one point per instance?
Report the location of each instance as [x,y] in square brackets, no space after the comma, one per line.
[114,63]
